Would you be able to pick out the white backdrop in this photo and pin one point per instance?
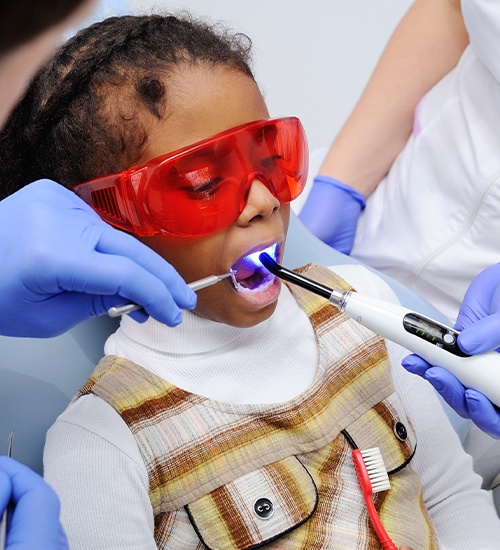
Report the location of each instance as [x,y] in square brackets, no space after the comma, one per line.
[311,59]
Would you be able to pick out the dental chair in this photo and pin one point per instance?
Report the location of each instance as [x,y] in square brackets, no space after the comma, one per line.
[38,377]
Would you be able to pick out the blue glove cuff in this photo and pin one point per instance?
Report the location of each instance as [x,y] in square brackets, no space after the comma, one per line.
[349,190]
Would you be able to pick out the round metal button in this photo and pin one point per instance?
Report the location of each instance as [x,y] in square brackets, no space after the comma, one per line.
[449,338]
[263,507]
[400,431]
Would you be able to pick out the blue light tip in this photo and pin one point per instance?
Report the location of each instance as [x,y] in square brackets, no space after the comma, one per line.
[256,257]
[268,262]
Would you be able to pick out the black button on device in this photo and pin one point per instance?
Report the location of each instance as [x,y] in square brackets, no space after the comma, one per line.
[263,508]
[400,431]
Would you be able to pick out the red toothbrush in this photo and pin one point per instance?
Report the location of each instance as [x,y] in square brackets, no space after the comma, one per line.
[373,478]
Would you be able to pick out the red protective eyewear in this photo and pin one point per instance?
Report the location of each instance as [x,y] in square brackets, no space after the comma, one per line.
[204,187]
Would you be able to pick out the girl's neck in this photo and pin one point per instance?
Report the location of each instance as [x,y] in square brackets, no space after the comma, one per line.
[225,363]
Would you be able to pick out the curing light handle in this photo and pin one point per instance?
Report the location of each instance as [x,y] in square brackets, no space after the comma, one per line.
[433,341]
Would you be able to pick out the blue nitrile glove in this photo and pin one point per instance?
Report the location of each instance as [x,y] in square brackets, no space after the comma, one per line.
[61,264]
[34,520]
[331,212]
[479,323]
[479,315]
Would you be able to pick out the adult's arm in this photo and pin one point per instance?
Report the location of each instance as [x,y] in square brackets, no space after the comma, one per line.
[61,264]
[426,45]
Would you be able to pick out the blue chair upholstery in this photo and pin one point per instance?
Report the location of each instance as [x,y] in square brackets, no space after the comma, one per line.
[39,377]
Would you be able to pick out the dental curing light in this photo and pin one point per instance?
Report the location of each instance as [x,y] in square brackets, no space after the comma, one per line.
[433,341]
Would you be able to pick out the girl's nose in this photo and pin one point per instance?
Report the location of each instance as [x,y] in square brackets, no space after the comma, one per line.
[261,203]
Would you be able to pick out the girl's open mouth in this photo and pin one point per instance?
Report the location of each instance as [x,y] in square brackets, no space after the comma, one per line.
[251,275]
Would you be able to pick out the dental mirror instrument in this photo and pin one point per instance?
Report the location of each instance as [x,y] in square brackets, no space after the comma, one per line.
[3,522]
[118,311]
[430,339]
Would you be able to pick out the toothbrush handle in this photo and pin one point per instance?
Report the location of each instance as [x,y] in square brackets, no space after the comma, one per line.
[481,372]
[367,492]
[383,537]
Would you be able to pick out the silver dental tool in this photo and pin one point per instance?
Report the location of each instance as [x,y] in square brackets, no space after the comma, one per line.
[3,522]
[118,311]
[431,340]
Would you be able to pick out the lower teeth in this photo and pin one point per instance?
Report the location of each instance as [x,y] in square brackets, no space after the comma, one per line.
[262,284]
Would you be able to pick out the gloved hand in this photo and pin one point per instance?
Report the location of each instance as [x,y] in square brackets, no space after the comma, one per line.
[61,264]
[331,212]
[479,315]
[34,522]
[479,323]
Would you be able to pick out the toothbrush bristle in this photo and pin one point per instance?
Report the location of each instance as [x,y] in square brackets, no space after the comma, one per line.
[376,470]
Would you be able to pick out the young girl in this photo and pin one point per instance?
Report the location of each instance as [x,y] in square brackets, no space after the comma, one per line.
[234,430]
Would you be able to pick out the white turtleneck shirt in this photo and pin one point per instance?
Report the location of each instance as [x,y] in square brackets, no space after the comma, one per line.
[91,447]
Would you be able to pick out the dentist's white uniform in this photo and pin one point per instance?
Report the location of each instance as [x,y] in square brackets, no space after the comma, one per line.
[434,222]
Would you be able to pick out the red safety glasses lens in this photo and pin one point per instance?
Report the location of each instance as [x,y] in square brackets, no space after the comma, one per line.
[204,187]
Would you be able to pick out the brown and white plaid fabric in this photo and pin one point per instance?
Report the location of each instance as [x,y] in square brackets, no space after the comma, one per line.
[237,477]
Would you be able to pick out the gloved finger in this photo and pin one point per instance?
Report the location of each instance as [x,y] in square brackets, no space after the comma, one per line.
[482,336]
[59,197]
[23,479]
[76,266]
[72,309]
[483,413]
[35,519]
[138,286]
[92,305]
[331,212]
[140,316]
[5,491]
[450,389]
[102,274]
[481,299]
[115,242]
[312,214]
[469,314]
[415,364]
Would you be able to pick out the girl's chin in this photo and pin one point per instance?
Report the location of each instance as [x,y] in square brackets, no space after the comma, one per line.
[243,307]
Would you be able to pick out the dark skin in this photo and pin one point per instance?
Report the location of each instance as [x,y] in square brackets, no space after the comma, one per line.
[205,101]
